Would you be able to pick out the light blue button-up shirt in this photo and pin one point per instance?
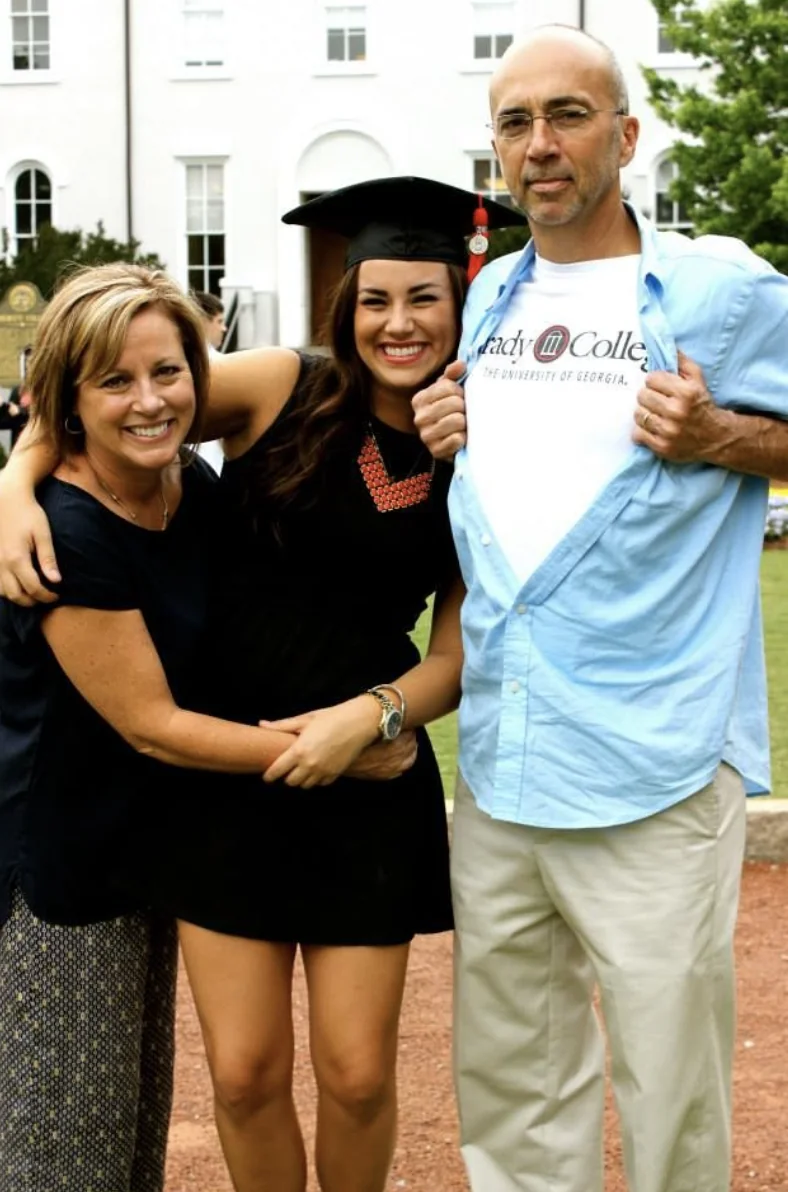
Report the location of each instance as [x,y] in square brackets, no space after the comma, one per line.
[613,682]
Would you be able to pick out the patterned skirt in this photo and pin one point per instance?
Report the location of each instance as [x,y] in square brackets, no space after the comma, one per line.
[86,1053]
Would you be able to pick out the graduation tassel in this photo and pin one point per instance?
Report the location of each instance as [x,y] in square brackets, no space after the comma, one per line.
[479,241]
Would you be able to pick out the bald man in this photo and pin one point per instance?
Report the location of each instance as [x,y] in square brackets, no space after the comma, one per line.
[614,705]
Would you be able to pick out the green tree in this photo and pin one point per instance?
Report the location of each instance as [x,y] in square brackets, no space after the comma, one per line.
[733,165]
[45,259]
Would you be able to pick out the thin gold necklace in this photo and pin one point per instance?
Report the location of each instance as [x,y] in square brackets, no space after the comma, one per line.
[165,513]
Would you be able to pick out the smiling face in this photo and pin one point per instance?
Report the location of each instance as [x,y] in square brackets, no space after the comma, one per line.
[137,415]
[405,324]
[565,177]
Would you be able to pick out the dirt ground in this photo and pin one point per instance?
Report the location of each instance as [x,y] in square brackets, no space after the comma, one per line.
[427,1156]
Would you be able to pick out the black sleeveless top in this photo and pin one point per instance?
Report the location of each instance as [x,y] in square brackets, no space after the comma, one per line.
[338,585]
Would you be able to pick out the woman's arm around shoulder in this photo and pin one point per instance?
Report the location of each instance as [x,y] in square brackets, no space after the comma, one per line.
[248,391]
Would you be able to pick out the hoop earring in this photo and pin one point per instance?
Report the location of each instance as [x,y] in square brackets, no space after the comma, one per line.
[70,430]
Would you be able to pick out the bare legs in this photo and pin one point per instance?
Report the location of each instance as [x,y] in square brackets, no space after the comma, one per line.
[242,990]
[355,995]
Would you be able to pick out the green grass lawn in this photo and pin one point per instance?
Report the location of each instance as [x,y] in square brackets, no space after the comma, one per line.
[774,584]
[774,578]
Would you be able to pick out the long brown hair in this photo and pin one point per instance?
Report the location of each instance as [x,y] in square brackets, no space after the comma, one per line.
[333,405]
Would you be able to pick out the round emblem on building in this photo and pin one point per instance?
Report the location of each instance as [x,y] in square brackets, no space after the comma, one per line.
[551,344]
[22,298]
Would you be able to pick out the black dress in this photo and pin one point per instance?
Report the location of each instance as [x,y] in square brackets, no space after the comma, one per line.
[78,805]
[317,610]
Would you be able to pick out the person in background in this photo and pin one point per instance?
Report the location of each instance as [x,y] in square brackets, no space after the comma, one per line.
[15,410]
[614,700]
[212,311]
[212,315]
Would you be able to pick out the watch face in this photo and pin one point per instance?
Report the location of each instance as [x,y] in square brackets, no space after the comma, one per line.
[392,725]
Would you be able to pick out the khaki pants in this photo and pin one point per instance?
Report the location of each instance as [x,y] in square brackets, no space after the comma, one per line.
[646,913]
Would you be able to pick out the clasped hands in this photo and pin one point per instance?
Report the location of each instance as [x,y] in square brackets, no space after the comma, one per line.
[675,415]
[342,739]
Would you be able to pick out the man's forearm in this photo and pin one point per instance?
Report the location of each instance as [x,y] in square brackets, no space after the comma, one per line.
[749,443]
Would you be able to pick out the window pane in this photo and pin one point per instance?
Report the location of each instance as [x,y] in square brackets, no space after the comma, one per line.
[215,181]
[682,214]
[196,279]
[42,185]
[216,251]
[40,28]
[357,45]
[664,44]
[482,47]
[194,181]
[21,29]
[21,59]
[502,43]
[23,189]
[196,245]
[482,180]
[24,218]
[664,209]
[665,174]
[43,215]
[40,6]
[214,277]
[194,38]
[195,215]
[214,221]
[40,59]
[18,5]
[336,45]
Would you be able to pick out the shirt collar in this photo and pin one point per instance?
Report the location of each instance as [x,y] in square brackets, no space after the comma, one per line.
[651,271]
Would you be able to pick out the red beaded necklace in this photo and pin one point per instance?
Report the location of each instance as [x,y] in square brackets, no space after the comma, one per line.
[391,494]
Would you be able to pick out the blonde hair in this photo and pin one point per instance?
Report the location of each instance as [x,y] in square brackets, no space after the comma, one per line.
[82,334]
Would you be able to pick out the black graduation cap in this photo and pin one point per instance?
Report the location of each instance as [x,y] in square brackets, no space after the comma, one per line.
[408,218]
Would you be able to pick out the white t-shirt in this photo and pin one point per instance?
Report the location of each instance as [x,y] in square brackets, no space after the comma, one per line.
[550,402]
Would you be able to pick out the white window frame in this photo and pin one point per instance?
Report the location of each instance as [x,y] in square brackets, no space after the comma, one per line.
[31,11]
[679,221]
[201,11]
[668,55]
[339,17]
[495,19]
[202,227]
[19,170]
[9,74]
[499,193]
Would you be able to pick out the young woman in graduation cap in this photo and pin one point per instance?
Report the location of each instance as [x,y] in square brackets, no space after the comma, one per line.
[348,537]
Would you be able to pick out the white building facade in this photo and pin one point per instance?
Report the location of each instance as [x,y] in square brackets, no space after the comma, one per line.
[192,125]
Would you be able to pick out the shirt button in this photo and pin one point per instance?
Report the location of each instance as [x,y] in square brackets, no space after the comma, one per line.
[485,539]
[522,608]
[459,474]
[514,686]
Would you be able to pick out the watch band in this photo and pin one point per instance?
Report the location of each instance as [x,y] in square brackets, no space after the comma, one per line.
[390,723]
[392,687]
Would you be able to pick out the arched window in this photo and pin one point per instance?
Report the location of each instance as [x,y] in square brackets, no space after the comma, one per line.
[32,204]
[669,214]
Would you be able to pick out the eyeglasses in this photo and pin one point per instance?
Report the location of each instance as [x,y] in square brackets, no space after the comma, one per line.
[513,125]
